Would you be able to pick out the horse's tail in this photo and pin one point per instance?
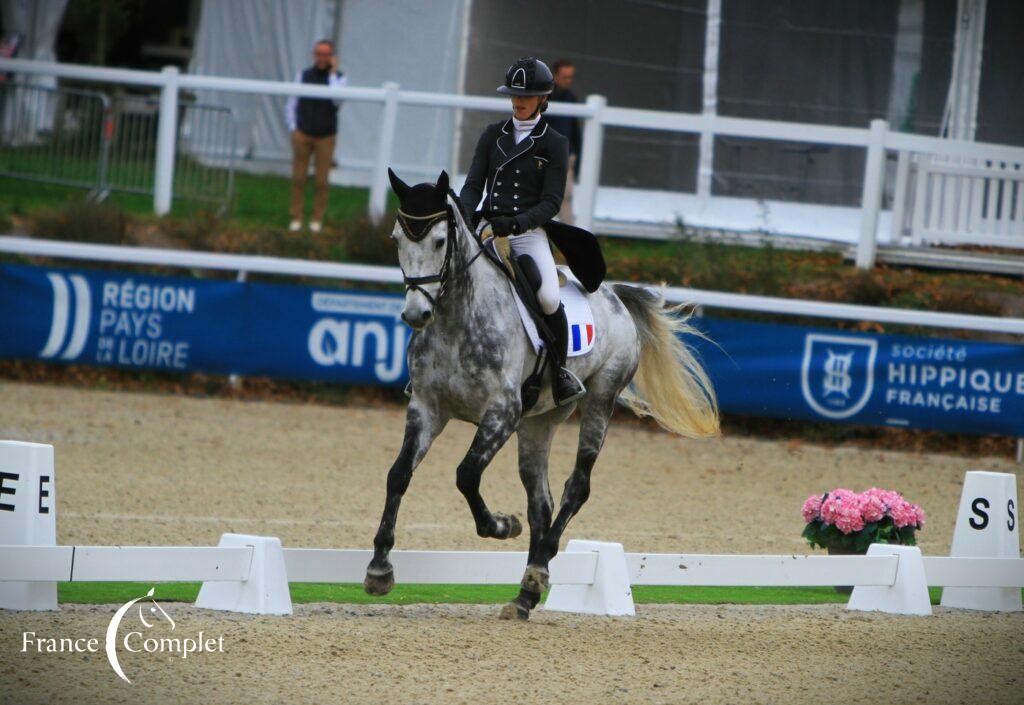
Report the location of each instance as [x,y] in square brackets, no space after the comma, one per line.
[670,385]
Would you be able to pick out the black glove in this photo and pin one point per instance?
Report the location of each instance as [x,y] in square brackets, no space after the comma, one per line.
[504,225]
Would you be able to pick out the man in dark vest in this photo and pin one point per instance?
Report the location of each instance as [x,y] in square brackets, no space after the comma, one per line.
[313,123]
[564,73]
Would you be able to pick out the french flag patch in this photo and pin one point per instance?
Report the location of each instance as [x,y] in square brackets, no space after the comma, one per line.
[582,336]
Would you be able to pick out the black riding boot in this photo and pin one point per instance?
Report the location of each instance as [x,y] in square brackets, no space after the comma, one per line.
[565,386]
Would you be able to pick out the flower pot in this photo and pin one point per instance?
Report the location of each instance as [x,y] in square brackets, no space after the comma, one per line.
[838,551]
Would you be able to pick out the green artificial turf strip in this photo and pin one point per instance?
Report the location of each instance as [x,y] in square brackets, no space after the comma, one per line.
[112,593]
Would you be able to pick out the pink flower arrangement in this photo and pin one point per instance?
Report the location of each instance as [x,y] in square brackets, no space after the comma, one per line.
[846,519]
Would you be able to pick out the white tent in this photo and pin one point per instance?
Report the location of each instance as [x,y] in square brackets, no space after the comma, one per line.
[418,43]
[37,21]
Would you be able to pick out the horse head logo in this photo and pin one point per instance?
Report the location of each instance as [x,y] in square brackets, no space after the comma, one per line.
[156,612]
[838,373]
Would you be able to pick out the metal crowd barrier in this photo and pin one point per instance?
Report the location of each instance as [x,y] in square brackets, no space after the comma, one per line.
[53,135]
[204,154]
[84,138]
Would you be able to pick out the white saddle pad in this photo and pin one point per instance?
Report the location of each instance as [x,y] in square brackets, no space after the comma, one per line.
[578,316]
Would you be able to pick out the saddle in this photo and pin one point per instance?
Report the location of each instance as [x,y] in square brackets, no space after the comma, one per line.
[524,278]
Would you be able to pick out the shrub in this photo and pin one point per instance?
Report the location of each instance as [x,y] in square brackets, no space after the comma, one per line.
[82,221]
[368,243]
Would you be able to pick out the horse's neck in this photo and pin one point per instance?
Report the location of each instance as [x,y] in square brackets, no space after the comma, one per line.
[479,287]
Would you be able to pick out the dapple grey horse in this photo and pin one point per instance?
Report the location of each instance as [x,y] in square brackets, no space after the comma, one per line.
[469,355]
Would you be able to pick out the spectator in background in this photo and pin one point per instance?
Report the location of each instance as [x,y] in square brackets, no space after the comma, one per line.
[313,123]
[564,73]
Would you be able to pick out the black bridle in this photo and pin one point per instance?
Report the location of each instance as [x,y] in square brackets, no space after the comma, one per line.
[416,228]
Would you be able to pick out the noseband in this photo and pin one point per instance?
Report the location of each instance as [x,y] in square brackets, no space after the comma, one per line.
[416,228]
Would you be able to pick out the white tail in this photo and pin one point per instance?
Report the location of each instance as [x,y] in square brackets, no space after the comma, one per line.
[670,385]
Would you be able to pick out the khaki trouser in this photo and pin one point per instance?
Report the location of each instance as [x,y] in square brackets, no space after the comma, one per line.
[322,149]
[565,212]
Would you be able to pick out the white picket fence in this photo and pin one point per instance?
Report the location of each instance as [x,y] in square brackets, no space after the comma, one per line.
[943,201]
[877,139]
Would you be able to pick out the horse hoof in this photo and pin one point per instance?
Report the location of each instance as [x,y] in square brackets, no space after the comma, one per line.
[514,610]
[536,579]
[379,583]
[508,526]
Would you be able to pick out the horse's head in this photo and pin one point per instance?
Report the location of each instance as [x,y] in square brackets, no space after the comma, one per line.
[426,238]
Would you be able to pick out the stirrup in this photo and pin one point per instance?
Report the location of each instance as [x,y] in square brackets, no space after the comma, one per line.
[572,391]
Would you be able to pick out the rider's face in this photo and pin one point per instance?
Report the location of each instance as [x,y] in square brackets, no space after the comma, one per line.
[524,106]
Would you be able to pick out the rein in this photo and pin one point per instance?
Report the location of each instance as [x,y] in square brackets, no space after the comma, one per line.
[416,228]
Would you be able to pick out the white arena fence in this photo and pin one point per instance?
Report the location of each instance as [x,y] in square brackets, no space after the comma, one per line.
[877,140]
[578,567]
[572,567]
[251,573]
[244,265]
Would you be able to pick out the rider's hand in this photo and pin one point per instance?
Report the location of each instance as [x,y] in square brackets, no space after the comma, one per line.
[504,225]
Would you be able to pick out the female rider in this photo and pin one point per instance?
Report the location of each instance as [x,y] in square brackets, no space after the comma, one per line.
[522,161]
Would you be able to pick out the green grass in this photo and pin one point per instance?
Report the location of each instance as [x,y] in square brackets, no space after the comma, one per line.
[260,201]
[114,593]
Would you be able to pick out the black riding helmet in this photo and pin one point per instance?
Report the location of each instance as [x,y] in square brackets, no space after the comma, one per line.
[528,76]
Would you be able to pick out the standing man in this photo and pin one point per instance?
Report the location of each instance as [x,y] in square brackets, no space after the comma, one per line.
[564,73]
[313,123]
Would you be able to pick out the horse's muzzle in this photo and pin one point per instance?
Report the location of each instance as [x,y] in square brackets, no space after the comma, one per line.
[417,319]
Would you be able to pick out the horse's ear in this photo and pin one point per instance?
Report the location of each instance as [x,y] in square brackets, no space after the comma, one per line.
[397,185]
[442,184]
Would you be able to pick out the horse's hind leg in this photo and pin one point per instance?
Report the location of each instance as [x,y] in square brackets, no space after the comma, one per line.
[535,435]
[421,428]
[494,429]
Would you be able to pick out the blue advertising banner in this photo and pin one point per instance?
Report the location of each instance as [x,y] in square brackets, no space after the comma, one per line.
[828,375]
[193,325]
[166,323]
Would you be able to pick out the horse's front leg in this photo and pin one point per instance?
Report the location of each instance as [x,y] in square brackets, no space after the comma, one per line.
[421,428]
[497,424]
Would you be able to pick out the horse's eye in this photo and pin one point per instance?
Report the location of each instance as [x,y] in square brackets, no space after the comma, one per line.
[438,244]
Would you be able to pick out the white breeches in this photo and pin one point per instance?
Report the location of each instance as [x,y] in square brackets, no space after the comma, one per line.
[535,244]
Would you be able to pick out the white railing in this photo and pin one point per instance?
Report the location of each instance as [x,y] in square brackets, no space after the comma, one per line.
[331,565]
[959,201]
[245,264]
[876,140]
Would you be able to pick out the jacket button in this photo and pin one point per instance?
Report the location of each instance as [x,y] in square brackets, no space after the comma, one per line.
[515,208]
[496,193]
[516,196]
[499,184]
[516,184]
[517,171]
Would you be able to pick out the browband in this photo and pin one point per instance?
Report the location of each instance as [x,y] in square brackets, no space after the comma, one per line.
[416,227]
